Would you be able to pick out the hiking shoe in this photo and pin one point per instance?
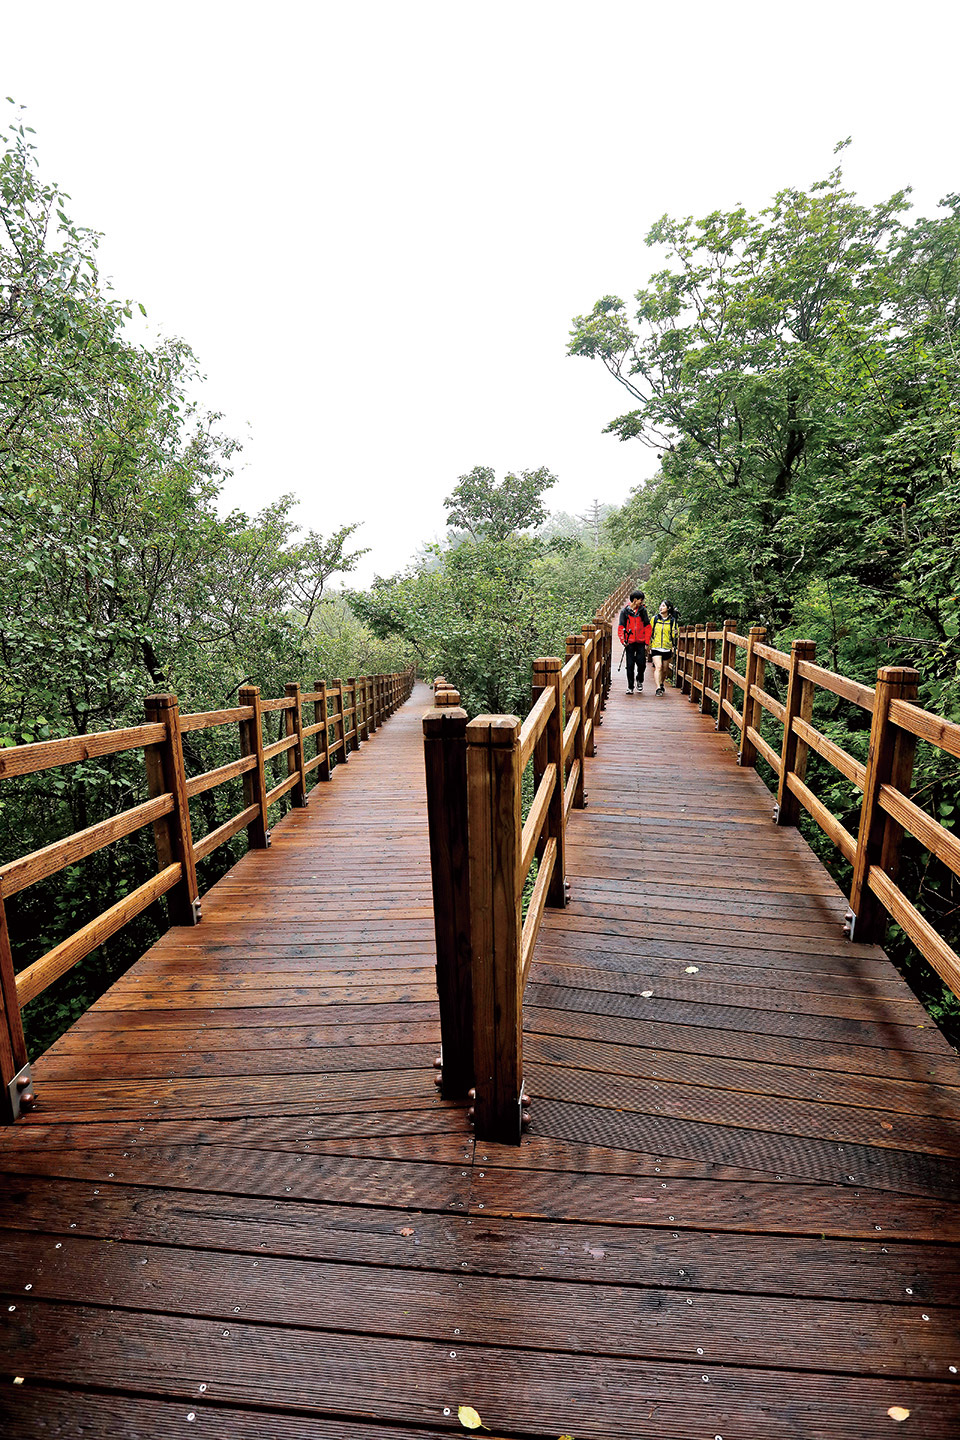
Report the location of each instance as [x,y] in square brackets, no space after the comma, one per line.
[661,691]
[640,688]
[629,689]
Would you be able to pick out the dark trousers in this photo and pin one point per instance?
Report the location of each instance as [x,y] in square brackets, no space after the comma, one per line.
[636,660]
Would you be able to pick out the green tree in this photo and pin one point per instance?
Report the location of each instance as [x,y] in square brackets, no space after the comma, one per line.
[486,508]
[797,373]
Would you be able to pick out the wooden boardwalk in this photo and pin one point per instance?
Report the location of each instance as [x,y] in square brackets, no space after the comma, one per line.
[240,1209]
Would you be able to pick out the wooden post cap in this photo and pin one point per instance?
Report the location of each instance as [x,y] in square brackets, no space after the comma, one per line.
[498,730]
[448,721]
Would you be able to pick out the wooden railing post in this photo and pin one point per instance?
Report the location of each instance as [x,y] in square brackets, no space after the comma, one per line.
[493,797]
[173,835]
[606,651]
[351,684]
[372,721]
[576,646]
[320,717]
[889,762]
[727,654]
[445,760]
[590,654]
[293,725]
[344,748]
[753,674]
[706,675]
[692,696]
[254,781]
[17,1093]
[793,755]
[549,751]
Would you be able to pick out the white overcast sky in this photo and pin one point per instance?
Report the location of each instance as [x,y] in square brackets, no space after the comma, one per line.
[373,222]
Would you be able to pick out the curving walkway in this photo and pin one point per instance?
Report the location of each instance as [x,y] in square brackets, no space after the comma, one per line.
[242,1211]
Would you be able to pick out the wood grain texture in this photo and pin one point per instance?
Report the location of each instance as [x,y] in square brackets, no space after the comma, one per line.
[742,1159]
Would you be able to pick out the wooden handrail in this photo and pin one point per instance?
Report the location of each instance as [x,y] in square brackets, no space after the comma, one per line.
[484,944]
[886,810]
[535,724]
[168,811]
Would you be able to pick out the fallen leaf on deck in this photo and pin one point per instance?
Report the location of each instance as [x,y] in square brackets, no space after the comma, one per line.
[469,1418]
[407,1230]
[897,1412]
[692,970]
[885,1125]
[645,994]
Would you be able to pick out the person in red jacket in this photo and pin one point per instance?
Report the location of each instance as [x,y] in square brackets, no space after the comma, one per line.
[634,632]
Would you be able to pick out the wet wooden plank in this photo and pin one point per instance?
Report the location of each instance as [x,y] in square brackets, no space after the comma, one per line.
[517,1389]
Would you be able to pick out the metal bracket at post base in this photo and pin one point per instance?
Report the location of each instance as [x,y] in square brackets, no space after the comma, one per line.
[776,814]
[20,1092]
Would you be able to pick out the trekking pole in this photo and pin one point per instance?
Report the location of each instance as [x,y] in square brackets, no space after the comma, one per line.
[622,653]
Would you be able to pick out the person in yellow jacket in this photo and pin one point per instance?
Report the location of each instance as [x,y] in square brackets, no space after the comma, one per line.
[662,641]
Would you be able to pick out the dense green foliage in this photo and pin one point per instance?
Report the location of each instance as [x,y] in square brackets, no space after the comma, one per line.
[797,373]
[119,575]
[478,610]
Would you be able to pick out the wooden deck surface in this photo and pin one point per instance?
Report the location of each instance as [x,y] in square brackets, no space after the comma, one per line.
[242,1211]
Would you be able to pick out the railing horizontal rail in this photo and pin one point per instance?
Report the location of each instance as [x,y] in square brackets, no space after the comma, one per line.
[828,822]
[41,864]
[283,702]
[768,702]
[533,825]
[838,758]
[776,657]
[535,724]
[32,981]
[210,779]
[283,788]
[224,832]
[278,747]
[45,754]
[932,836]
[944,734]
[767,751]
[932,946]
[861,695]
[538,901]
[208,719]
[569,672]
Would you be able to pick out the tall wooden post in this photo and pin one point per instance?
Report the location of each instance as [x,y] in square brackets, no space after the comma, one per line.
[709,653]
[493,797]
[889,762]
[172,833]
[576,646]
[445,760]
[371,705]
[341,720]
[793,755]
[592,703]
[692,693]
[17,1093]
[293,725]
[727,656]
[549,751]
[255,780]
[320,717]
[751,710]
